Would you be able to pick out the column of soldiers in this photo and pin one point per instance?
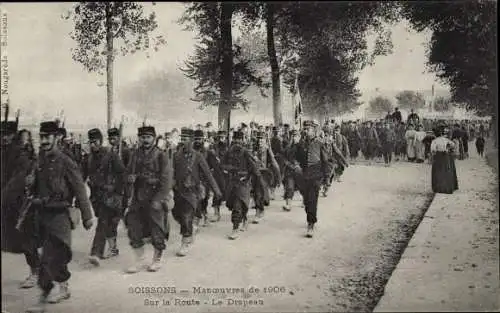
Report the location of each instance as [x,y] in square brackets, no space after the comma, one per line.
[45,195]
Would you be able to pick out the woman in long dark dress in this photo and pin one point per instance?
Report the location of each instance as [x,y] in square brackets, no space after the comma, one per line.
[444,173]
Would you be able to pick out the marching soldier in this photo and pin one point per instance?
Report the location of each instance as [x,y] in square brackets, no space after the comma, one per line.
[201,209]
[190,169]
[105,172]
[150,176]
[277,148]
[313,159]
[388,141]
[54,177]
[16,161]
[241,168]
[343,147]
[219,149]
[291,179]
[270,172]
[355,140]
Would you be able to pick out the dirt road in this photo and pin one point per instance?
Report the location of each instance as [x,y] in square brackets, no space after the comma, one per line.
[364,224]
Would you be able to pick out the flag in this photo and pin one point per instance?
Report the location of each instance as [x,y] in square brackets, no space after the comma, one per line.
[297,102]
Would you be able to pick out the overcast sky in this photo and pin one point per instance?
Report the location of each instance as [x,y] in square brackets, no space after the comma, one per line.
[43,76]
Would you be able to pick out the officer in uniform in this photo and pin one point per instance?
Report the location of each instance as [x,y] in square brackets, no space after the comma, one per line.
[190,169]
[291,178]
[16,162]
[241,168]
[52,182]
[313,159]
[151,177]
[105,172]
[219,149]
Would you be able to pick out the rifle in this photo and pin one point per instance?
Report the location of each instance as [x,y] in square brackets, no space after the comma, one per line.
[28,199]
[130,187]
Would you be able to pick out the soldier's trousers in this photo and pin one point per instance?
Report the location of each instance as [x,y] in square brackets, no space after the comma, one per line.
[56,254]
[310,194]
[201,210]
[387,150]
[107,224]
[183,213]
[141,225]
[238,213]
[289,186]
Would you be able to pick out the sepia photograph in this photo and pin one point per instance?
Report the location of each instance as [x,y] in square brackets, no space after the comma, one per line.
[288,156]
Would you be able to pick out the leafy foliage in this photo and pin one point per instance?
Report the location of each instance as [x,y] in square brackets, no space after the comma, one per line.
[131,30]
[205,66]
[462,50]
[408,99]
[380,105]
[442,104]
[330,41]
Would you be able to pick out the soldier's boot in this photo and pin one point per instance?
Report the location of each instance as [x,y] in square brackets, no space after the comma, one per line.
[325,191]
[138,262]
[310,231]
[112,249]
[271,194]
[286,207]
[185,245]
[244,225]
[30,281]
[62,293]
[205,220]
[196,225]
[234,233]
[258,216]
[216,216]
[94,260]
[156,264]
[40,306]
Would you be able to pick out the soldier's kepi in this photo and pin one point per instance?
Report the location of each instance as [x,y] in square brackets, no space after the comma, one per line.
[151,177]
[190,167]
[57,179]
[105,172]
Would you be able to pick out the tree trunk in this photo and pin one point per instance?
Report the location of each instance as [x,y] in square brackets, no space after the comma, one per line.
[227,66]
[273,61]
[109,62]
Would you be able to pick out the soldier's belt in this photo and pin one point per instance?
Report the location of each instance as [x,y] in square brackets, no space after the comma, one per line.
[56,206]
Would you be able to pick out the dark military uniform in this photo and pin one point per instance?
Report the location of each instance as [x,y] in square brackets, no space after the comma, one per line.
[388,141]
[105,171]
[219,149]
[190,170]
[271,175]
[343,146]
[211,159]
[146,216]
[291,178]
[57,179]
[241,168]
[313,159]
[278,149]
[16,163]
